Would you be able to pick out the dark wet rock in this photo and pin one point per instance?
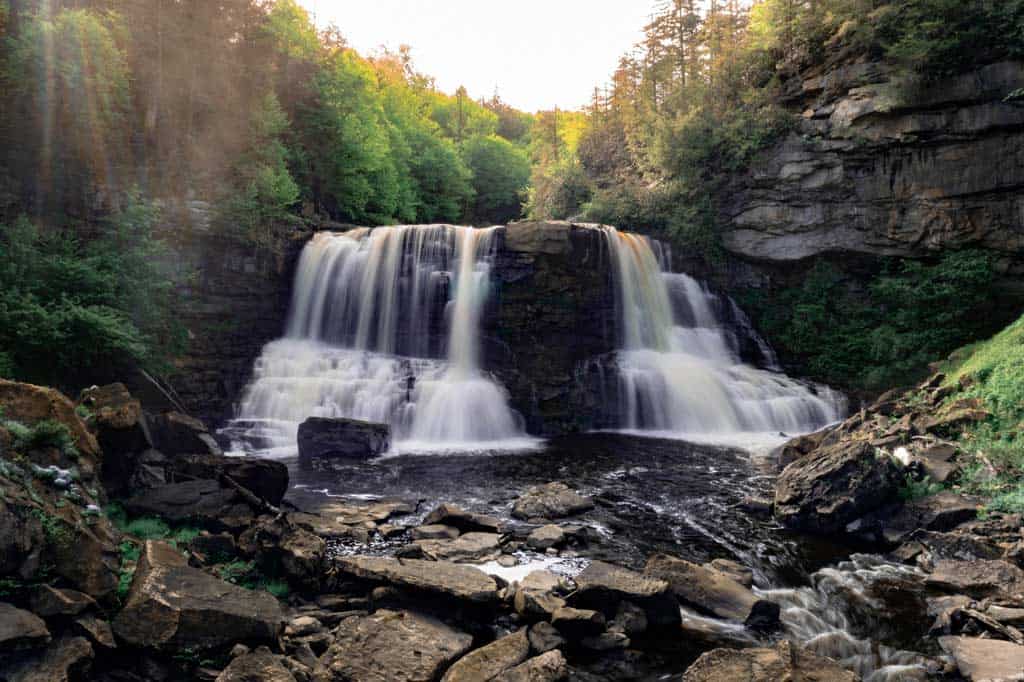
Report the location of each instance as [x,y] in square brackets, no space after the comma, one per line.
[550,501]
[65,659]
[325,439]
[799,447]
[629,619]
[956,545]
[457,581]
[548,667]
[259,666]
[985,659]
[546,536]
[737,571]
[265,478]
[173,433]
[464,521]
[977,578]
[713,592]
[576,624]
[488,662]
[213,547]
[606,641]
[21,629]
[434,532]
[120,429]
[964,620]
[474,547]
[825,491]
[784,661]
[535,595]
[938,461]
[49,601]
[172,606]
[544,637]
[603,586]
[392,646]
[281,546]
[202,501]
[940,512]
[96,630]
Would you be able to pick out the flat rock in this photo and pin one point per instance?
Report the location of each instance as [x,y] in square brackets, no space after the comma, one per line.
[550,501]
[713,592]
[65,659]
[471,547]
[548,667]
[490,661]
[603,586]
[544,638]
[546,536]
[464,521]
[435,531]
[737,571]
[823,492]
[393,646]
[578,623]
[257,666]
[985,659]
[437,577]
[535,595]
[49,601]
[940,512]
[784,661]
[172,606]
[977,578]
[201,501]
[20,629]
[96,630]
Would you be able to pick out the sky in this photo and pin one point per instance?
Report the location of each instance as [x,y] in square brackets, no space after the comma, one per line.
[539,54]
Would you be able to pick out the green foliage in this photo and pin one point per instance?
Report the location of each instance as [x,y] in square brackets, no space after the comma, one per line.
[883,336]
[278,588]
[914,489]
[148,528]
[70,307]
[501,172]
[43,434]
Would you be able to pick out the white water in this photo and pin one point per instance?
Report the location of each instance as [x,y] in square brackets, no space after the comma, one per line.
[384,327]
[679,367]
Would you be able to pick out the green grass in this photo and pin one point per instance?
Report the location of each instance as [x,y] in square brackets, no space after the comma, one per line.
[913,489]
[43,434]
[994,370]
[148,528]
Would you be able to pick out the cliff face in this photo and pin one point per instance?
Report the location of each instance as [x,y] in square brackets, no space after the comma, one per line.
[884,167]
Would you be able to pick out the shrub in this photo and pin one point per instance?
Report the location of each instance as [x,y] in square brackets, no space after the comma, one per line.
[148,528]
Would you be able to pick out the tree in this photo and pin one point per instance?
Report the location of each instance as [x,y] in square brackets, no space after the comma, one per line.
[501,172]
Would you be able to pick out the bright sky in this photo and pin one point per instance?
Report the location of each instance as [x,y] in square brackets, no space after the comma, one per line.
[538,53]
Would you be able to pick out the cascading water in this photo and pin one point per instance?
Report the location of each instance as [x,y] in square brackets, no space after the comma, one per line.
[679,366]
[373,315]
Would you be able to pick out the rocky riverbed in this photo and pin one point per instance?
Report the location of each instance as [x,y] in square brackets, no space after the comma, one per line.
[596,557]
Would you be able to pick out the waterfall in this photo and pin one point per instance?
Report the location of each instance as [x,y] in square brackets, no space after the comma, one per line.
[679,365]
[384,326]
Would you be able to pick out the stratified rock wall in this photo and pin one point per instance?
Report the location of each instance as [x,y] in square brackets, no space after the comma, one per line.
[882,166]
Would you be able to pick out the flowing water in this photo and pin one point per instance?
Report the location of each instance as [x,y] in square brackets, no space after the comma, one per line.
[384,327]
[679,367]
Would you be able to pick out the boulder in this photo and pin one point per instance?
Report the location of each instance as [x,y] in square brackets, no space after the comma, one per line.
[977,579]
[737,571]
[546,536]
[172,606]
[940,512]
[265,478]
[490,661]
[68,658]
[550,501]
[784,661]
[30,404]
[392,646]
[713,592]
[174,433]
[544,638]
[257,666]
[548,667]
[471,547]
[96,631]
[325,439]
[824,492]
[120,429]
[985,659]
[576,624]
[937,461]
[535,596]
[21,629]
[442,578]
[202,501]
[603,586]
[434,532]
[49,601]
[464,521]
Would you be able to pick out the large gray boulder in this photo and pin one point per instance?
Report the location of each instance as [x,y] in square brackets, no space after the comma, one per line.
[603,587]
[713,592]
[172,606]
[325,439]
[393,646]
[824,491]
[440,578]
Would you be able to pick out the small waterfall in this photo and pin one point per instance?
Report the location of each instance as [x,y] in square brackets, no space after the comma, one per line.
[679,364]
[384,327]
